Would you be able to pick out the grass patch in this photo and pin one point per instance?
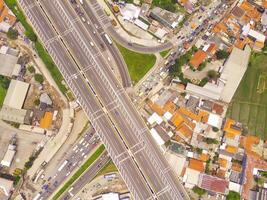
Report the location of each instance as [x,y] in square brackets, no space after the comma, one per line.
[54,71]
[80,171]
[138,64]
[2,95]
[108,168]
[249,104]
[50,65]
[4,84]
[164,53]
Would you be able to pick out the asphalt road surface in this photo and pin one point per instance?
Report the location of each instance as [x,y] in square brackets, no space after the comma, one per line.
[102,18]
[87,177]
[74,159]
[86,12]
[127,139]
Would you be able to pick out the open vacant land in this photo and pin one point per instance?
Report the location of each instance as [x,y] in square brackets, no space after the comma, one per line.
[249,104]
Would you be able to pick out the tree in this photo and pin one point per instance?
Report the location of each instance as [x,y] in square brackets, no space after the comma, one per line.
[31,69]
[12,34]
[233,196]
[199,190]
[215,129]
[222,54]
[39,78]
[211,141]
[37,102]
[31,35]
[212,74]
[203,81]
[202,66]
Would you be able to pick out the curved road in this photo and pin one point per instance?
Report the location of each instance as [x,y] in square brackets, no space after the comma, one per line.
[136,47]
[99,33]
[121,40]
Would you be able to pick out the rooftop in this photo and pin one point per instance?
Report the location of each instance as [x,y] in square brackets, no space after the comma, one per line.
[16,94]
[198,58]
[196,165]
[213,184]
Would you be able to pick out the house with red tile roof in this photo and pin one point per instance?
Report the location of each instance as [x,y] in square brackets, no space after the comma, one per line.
[198,58]
[213,184]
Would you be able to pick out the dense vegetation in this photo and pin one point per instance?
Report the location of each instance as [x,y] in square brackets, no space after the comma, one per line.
[169,5]
[233,196]
[12,4]
[12,34]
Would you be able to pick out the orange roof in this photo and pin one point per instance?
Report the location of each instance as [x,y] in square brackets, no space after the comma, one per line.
[189,114]
[169,107]
[156,108]
[196,165]
[177,119]
[248,141]
[204,157]
[198,58]
[236,167]
[46,121]
[222,162]
[230,132]
[185,131]
[203,115]
[5,16]
[231,149]
[221,173]
[264,3]
[212,48]
[177,138]
[259,44]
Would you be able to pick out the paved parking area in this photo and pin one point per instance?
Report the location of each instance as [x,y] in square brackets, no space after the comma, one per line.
[26,143]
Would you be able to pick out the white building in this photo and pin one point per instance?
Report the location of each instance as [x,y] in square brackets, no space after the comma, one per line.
[130,12]
[233,72]
[5,188]
[191,178]
[16,94]
[14,100]
[9,155]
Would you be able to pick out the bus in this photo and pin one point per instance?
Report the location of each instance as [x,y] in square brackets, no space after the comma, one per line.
[63,165]
[108,39]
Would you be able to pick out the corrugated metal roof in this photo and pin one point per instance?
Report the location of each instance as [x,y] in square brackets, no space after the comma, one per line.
[16,94]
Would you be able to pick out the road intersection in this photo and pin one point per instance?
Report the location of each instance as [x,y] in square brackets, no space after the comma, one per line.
[126,137]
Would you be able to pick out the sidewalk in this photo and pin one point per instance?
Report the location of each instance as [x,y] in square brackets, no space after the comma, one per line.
[53,144]
[41,66]
[78,125]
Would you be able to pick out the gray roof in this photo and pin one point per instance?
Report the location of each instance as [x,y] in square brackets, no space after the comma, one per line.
[16,94]
[7,64]
[233,72]
[12,114]
[44,98]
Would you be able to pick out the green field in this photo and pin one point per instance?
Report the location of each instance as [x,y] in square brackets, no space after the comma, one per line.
[80,171]
[249,104]
[2,95]
[138,64]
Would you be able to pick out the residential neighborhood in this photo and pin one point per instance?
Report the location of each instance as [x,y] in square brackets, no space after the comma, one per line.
[133,99]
